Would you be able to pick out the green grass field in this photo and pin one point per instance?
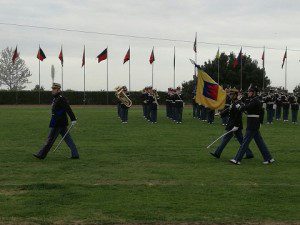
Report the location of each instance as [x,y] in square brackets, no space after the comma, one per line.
[140,173]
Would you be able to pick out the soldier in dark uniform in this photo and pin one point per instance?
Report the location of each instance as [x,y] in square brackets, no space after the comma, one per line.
[225,116]
[253,107]
[270,108]
[235,124]
[168,104]
[153,106]
[58,124]
[294,108]
[144,101]
[124,108]
[278,103]
[286,108]
[178,106]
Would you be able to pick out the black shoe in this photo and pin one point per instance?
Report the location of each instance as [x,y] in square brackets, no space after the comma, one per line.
[37,156]
[74,157]
[215,155]
[249,157]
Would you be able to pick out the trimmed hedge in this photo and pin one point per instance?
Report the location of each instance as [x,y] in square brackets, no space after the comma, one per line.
[74,97]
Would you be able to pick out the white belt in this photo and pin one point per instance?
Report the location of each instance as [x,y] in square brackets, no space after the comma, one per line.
[253,116]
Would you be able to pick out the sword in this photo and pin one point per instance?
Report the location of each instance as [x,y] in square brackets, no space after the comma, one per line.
[68,131]
[219,138]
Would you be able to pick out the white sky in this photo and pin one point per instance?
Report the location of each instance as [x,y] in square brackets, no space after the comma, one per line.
[273,23]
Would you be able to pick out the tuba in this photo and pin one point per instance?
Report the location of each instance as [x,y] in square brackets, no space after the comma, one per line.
[155,96]
[121,95]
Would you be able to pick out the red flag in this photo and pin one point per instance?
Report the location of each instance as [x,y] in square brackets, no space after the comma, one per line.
[152,58]
[238,59]
[15,55]
[263,59]
[102,56]
[83,57]
[127,56]
[41,55]
[195,44]
[61,57]
[284,57]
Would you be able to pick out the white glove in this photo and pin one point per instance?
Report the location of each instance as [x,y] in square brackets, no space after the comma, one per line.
[235,129]
[238,106]
[73,122]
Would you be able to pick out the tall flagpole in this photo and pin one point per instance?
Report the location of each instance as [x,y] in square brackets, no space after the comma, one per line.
[152,66]
[264,71]
[129,69]
[107,77]
[241,69]
[39,81]
[62,78]
[196,53]
[174,69]
[218,66]
[285,78]
[84,79]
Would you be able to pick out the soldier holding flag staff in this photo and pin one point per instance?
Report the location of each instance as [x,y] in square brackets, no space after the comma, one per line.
[58,124]
[253,107]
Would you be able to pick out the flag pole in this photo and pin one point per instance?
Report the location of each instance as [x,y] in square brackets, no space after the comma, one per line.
[62,73]
[129,69]
[152,66]
[84,100]
[196,54]
[264,71]
[241,69]
[39,81]
[174,69]
[285,78]
[218,66]
[107,77]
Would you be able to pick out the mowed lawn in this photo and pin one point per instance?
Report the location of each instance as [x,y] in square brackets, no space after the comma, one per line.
[140,173]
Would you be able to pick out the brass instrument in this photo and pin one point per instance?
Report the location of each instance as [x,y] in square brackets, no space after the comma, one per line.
[155,96]
[121,95]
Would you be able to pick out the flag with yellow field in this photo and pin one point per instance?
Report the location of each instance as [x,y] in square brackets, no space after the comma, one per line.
[209,93]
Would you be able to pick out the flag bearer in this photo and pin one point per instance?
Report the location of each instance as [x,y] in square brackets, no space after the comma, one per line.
[58,124]
[253,107]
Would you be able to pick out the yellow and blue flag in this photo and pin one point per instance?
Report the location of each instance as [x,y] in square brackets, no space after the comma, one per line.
[209,93]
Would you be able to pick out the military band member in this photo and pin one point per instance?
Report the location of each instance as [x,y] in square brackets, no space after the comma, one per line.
[124,108]
[168,104]
[253,107]
[153,106]
[285,107]
[178,106]
[270,108]
[234,123]
[58,124]
[294,108]
[144,101]
[278,103]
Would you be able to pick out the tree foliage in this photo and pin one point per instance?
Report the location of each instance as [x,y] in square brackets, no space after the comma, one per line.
[14,76]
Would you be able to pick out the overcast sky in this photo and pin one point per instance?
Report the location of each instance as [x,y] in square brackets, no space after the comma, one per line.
[270,23]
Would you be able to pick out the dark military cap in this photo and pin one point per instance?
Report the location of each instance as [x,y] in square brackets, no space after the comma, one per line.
[56,86]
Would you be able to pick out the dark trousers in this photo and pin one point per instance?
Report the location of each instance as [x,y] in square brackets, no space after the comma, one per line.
[285,114]
[278,112]
[270,114]
[198,115]
[148,109]
[124,114]
[295,116]
[153,115]
[225,120]
[178,114]
[253,134]
[195,110]
[144,111]
[210,116]
[53,134]
[203,113]
[239,136]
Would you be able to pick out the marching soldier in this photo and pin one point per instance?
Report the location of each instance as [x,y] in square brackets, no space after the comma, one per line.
[58,124]
[253,107]
[235,123]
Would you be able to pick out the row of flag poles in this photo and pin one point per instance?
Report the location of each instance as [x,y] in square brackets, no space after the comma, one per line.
[104,56]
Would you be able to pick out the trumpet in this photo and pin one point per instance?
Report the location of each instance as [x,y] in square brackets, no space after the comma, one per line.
[121,95]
